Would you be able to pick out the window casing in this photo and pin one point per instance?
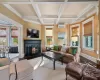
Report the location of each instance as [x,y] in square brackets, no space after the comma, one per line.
[88,34]
[14,36]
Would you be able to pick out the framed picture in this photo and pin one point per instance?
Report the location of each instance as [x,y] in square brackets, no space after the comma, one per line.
[61,35]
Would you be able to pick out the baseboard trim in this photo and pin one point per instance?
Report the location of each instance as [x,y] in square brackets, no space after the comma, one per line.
[89,57]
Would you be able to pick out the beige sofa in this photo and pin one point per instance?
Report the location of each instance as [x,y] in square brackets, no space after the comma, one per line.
[20,70]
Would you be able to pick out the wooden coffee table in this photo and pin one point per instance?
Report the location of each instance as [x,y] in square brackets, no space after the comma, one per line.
[53,56]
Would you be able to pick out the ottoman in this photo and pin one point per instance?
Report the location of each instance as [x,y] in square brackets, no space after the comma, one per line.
[91,73]
[74,69]
[24,70]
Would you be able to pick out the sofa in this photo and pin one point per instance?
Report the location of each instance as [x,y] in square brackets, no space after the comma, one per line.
[79,71]
[68,55]
[20,70]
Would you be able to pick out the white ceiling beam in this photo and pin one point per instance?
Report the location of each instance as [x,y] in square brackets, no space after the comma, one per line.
[61,9]
[89,7]
[60,18]
[36,8]
[12,9]
[35,17]
[82,2]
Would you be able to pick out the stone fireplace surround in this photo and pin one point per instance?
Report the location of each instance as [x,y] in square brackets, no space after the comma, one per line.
[32,48]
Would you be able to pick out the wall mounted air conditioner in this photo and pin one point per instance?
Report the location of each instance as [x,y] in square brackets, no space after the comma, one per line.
[61,26]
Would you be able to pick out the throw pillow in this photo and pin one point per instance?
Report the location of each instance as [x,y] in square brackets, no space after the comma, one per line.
[59,48]
[73,50]
[63,49]
[70,50]
[67,50]
[1,65]
[56,48]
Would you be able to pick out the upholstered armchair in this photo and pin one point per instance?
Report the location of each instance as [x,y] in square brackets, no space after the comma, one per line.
[21,70]
[4,73]
[7,70]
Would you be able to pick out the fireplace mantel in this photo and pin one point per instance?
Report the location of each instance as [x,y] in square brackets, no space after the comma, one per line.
[29,45]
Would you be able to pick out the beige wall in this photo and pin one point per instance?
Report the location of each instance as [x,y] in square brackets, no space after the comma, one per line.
[43,34]
[56,30]
[55,34]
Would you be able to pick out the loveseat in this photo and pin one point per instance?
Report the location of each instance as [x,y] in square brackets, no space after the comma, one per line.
[68,55]
[20,70]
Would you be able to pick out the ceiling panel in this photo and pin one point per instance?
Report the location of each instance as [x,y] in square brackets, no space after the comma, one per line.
[69,16]
[24,9]
[14,0]
[49,0]
[65,21]
[74,8]
[49,9]
[49,20]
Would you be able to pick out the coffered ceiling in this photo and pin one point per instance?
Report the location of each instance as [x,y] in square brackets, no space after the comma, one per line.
[51,11]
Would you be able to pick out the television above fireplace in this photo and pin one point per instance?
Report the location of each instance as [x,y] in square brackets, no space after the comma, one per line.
[32,33]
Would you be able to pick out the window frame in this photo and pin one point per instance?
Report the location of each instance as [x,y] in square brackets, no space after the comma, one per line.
[78,35]
[83,39]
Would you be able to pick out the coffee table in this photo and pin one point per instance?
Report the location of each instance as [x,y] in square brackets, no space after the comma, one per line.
[53,56]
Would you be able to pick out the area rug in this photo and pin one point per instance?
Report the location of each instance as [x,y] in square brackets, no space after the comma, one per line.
[45,70]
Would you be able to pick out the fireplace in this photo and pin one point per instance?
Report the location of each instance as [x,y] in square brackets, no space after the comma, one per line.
[32,48]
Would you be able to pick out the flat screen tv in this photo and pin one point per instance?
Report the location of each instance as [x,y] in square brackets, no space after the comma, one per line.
[32,33]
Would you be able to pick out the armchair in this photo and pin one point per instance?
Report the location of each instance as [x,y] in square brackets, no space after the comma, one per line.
[7,71]
[20,70]
[4,72]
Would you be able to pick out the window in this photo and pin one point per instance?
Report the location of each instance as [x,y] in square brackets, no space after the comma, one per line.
[3,36]
[88,34]
[14,36]
[88,42]
[74,41]
[75,35]
[49,37]
[15,41]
